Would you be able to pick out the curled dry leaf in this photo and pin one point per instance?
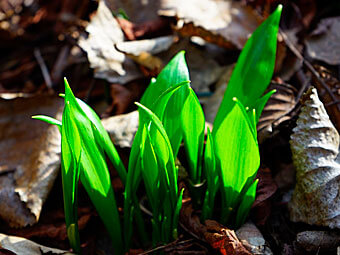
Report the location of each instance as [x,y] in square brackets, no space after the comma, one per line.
[324,42]
[104,58]
[30,157]
[315,149]
[20,245]
[277,109]
[225,23]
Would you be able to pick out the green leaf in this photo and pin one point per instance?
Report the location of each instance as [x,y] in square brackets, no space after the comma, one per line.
[237,156]
[193,124]
[159,175]
[260,104]
[254,68]
[176,215]
[84,139]
[247,201]
[212,176]
[48,120]
[104,139]
[174,73]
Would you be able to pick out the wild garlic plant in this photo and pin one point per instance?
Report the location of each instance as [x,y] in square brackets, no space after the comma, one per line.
[169,114]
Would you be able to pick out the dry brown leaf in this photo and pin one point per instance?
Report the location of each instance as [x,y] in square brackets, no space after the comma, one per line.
[152,46]
[266,188]
[148,29]
[20,245]
[324,42]
[315,241]
[204,69]
[52,225]
[223,239]
[122,128]
[225,23]
[334,85]
[30,157]
[212,104]
[277,109]
[252,239]
[219,237]
[104,58]
[315,148]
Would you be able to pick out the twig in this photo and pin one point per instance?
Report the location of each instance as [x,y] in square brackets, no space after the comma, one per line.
[163,247]
[305,83]
[309,66]
[60,64]
[43,67]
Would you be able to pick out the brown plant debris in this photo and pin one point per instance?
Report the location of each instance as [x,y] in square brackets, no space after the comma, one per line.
[26,179]
[216,235]
[315,149]
[324,42]
[227,24]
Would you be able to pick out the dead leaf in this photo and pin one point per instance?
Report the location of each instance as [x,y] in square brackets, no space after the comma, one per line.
[266,188]
[145,59]
[315,241]
[223,239]
[315,149]
[148,29]
[108,63]
[121,100]
[277,109]
[252,239]
[30,157]
[217,236]
[334,85]
[212,103]
[225,23]
[6,252]
[122,128]
[152,46]
[20,245]
[324,42]
[52,225]
[203,67]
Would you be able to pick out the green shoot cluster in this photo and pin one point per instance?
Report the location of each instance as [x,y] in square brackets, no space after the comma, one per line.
[169,114]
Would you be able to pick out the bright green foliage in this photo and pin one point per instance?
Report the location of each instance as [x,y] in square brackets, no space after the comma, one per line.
[175,72]
[152,161]
[193,133]
[84,144]
[231,156]
[254,68]
[212,178]
[237,157]
[169,114]
[178,112]
[234,134]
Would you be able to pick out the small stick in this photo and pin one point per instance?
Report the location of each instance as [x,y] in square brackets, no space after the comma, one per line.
[43,67]
[308,65]
[163,247]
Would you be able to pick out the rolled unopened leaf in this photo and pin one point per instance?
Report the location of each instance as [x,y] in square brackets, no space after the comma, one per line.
[315,148]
